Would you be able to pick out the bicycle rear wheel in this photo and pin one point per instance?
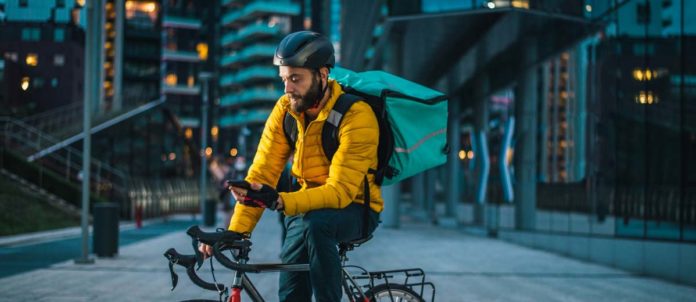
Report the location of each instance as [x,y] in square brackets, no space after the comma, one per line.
[393,292]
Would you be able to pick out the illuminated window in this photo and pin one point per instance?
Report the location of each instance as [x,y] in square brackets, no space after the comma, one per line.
[24,84]
[139,11]
[190,81]
[645,75]
[520,4]
[188,133]
[170,79]
[202,49]
[32,59]
[646,98]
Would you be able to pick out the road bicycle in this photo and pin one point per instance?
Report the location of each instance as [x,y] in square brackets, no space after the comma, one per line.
[359,286]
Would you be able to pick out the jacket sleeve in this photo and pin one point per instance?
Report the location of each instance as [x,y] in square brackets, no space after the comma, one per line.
[271,155]
[357,152]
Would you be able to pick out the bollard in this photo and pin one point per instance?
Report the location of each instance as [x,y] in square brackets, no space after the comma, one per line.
[209,212]
[105,241]
[138,216]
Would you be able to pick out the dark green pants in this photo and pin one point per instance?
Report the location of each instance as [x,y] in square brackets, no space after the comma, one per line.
[312,238]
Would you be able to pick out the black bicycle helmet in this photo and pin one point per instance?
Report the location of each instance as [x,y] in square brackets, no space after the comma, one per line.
[304,49]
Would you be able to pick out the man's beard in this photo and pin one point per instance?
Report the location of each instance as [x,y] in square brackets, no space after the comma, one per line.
[300,103]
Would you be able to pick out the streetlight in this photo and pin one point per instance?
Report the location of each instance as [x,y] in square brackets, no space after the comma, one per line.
[204,77]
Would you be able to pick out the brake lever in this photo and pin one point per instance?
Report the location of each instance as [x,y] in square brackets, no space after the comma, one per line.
[175,277]
[199,255]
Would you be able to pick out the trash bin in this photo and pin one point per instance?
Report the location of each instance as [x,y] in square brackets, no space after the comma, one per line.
[209,212]
[105,217]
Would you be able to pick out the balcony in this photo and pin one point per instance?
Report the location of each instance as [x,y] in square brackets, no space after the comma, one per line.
[244,117]
[249,33]
[249,75]
[180,56]
[181,89]
[250,96]
[189,122]
[249,54]
[253,10]
[181,22]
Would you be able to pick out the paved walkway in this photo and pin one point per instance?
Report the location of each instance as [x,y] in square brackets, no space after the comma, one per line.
[463,267]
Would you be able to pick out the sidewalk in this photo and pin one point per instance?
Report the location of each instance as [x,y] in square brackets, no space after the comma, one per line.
[463,268]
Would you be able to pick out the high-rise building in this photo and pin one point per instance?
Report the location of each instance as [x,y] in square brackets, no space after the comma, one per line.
[156,51]
[42,46]
[248,82]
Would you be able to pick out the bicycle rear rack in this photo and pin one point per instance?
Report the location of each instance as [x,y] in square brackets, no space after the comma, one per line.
[403,277]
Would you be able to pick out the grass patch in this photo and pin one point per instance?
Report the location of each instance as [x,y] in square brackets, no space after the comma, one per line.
[21,212]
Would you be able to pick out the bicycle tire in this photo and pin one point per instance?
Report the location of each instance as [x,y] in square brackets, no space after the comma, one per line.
[400,293]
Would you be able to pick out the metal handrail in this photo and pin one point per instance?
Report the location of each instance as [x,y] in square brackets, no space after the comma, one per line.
[25,139]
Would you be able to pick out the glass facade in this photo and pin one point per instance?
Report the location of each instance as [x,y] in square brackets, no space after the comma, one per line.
[616,131]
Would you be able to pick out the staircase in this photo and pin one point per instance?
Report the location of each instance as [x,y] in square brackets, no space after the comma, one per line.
[59,171]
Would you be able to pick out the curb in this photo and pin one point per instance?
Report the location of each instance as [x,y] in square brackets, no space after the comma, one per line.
[72,232]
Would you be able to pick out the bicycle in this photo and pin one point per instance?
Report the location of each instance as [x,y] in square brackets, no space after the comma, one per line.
[239,248]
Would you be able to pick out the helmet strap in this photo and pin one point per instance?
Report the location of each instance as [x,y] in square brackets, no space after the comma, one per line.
[323,92]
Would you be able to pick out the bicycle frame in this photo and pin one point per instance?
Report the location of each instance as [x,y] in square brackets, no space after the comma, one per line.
[242,281]
[240,248]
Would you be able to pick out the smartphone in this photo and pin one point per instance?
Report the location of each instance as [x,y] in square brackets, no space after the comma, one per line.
[239,184]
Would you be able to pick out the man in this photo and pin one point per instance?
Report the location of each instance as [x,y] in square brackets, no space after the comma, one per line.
[329,206]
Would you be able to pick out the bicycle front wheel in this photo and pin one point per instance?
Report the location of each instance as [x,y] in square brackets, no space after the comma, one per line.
[393,292]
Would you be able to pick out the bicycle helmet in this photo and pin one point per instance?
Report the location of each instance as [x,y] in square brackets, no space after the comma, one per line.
[306,49]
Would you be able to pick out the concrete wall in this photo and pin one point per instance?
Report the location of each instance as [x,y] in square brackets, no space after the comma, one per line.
[668,260]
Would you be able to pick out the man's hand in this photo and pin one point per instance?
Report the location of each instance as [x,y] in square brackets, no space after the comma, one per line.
[254,194]
[206,250]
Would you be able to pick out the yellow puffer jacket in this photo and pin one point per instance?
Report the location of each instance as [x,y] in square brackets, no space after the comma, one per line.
[324,184]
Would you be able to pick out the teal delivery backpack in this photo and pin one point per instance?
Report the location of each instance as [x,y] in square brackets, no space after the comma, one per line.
[412,120]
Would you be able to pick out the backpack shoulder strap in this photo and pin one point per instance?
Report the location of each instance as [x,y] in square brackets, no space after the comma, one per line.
[329,132]
[290,129]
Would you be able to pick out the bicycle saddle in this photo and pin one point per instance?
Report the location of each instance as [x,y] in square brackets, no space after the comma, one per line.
[349,245]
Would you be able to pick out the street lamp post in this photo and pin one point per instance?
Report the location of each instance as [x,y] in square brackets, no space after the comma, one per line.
[204,77]
[91,94]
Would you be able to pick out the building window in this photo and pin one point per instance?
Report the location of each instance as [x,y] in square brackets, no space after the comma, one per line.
[202,49]
[31,34]
[23,3]
[141,14]
[171,79]
[58,60]
[59,35]
[32,59]
[38,82]
[24,84]
[11,56]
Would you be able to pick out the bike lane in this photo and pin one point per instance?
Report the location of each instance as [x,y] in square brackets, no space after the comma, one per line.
[27,257]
